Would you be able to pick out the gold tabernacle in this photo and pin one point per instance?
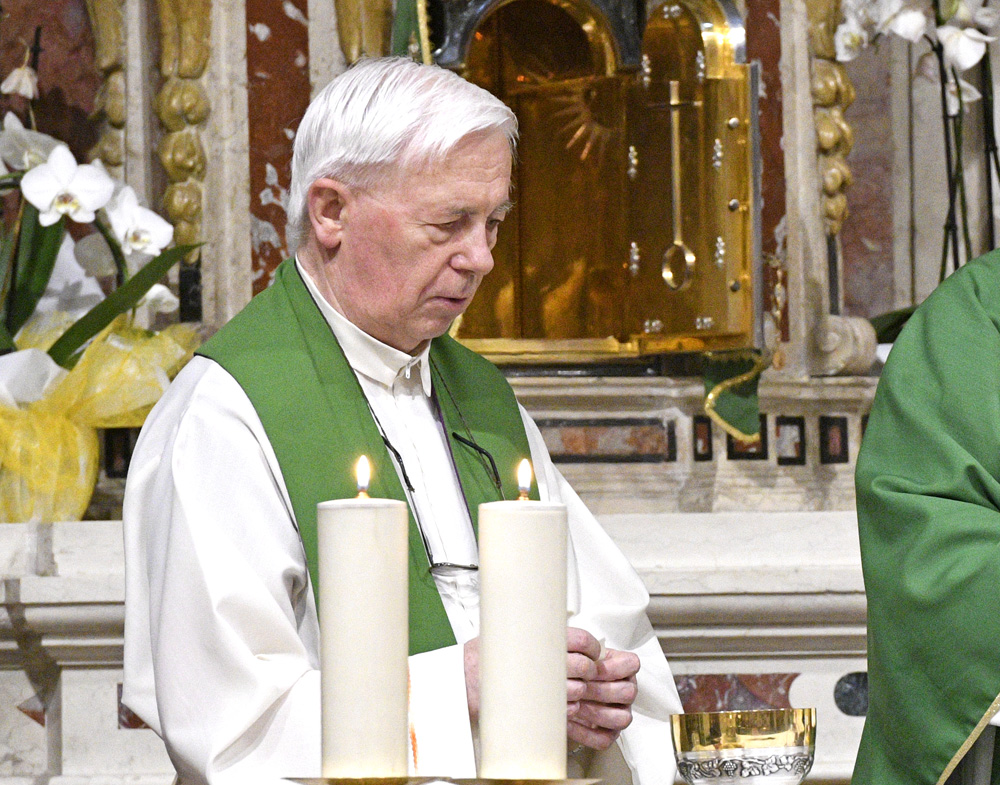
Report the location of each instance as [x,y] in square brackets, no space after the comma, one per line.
[636,141]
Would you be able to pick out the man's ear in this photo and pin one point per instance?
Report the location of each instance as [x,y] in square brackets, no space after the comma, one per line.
[326,200]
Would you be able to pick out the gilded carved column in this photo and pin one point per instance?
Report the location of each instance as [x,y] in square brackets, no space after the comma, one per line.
[841,344]
[816,140]
[107,22]
[182,107]
[832,93]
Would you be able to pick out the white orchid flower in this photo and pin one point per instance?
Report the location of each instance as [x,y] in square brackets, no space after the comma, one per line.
[138,229]
[963,47]
[865,12]
[974,13]
[61,187]
[903,18]
[851,37]
[21,81]
[159,299]
[22,148]
[959,95]
[927,67]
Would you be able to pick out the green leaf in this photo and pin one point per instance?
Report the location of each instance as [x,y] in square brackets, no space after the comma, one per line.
[888,325]
[121,300]
[7,243]
[36,256]
[6,341]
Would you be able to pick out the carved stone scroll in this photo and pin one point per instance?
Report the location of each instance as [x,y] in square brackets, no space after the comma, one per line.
[845,345]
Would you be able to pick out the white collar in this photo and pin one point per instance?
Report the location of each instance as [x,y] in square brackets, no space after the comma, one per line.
[367,355]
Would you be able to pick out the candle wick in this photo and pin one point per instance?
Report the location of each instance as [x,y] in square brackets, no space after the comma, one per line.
[362,493]
[522,496]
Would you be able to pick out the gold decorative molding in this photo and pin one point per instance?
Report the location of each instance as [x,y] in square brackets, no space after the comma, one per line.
[108,24]
[182,106]
[364,27]
[832,93]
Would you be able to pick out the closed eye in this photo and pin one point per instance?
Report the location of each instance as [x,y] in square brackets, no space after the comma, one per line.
[448,228]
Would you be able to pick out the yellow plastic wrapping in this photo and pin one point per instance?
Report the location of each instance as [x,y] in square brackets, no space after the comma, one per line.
[49,449]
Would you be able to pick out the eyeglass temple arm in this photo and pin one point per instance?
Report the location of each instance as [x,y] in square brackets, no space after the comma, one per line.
[481,451]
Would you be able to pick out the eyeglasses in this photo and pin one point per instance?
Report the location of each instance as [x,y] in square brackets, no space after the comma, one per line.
[437,568]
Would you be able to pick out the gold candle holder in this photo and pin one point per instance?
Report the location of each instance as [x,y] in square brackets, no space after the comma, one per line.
[773,746]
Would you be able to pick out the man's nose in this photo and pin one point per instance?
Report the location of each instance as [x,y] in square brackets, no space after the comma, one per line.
[477,255]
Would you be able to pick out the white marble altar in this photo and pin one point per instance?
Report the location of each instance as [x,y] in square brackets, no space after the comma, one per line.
[733,593]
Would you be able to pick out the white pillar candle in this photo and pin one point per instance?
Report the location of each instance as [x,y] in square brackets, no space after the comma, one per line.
[522,640]
[364,636]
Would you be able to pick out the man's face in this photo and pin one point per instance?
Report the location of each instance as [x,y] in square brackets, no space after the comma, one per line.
[413,252]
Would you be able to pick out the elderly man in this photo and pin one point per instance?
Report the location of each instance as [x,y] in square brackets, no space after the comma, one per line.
[400,181]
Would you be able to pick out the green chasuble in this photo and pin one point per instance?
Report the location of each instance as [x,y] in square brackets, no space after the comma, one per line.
[285,357]
[928,483]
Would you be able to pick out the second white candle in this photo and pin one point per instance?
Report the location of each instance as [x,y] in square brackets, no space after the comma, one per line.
[522,640]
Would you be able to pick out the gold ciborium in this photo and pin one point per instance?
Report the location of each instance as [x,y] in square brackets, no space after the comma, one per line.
[773,746]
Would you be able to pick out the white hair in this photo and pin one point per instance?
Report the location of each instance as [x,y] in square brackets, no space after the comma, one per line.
[381,113]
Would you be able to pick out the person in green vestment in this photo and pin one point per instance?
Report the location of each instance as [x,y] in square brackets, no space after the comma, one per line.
[400,181]
[928,496]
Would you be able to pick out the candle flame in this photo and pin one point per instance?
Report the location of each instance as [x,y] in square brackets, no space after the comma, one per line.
[363,471]
[524,478]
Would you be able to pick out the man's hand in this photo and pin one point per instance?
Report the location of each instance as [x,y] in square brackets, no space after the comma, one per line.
[599,690]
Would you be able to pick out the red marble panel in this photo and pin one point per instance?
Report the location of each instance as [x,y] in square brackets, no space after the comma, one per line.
[278,94]
[763,25]
[607,439]
[734,691]
[647,439]
[67,77]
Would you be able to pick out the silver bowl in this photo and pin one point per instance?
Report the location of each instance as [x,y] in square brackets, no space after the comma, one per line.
[773,746]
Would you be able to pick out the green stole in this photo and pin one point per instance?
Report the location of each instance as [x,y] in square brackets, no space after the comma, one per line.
[284,355]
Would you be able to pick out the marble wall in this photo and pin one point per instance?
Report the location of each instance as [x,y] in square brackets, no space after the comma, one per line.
[868,234]
[67,76]
[278,93]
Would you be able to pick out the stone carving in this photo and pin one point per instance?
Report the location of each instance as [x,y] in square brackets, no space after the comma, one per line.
[107,23]
[185,40]
[182,105]
[832,93]
[846,345]
[182,202]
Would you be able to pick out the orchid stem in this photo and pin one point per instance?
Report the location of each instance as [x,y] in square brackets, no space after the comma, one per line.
[990,143]
[116,251]
[960,171]
[950,233]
